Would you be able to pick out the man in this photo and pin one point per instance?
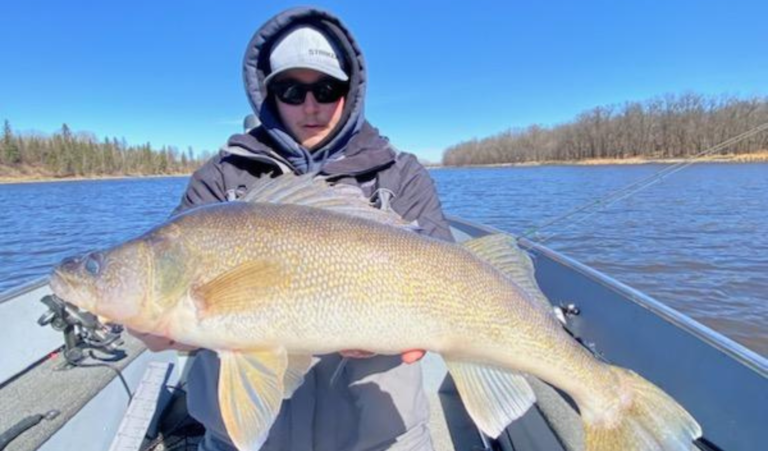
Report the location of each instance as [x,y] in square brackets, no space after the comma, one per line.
[305,79]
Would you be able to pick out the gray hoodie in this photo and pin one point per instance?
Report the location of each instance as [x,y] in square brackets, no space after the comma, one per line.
[376,403]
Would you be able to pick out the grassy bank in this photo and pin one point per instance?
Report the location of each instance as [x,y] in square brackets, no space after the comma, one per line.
[34,175]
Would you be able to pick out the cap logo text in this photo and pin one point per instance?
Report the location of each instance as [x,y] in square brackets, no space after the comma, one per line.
[320,52]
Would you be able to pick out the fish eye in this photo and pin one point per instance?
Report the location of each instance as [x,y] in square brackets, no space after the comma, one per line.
[92,265]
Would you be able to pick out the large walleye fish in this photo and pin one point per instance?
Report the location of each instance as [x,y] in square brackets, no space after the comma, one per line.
[301,268]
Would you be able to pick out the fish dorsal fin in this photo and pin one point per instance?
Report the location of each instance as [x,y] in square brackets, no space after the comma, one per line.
[298,366]
[250,394]
[235,290]
[502,252]
[493,397]
[311,191]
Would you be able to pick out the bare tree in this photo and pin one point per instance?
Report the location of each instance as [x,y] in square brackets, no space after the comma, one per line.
[668,126]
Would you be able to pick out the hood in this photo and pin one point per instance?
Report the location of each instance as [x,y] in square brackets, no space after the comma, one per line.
[256,69]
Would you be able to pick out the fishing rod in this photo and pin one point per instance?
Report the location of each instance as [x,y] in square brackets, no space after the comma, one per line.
[634,187]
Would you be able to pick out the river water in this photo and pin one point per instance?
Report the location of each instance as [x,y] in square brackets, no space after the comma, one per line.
[696,241]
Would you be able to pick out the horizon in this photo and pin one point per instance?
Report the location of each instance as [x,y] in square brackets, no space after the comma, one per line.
[449,73]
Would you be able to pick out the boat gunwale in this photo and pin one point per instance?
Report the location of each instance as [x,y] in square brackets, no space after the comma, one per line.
[24,288]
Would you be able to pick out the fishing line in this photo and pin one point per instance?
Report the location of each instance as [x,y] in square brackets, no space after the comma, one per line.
[633,188]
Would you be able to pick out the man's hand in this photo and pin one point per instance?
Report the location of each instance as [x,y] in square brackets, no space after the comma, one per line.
[413,356]
[409,357]
[156,343]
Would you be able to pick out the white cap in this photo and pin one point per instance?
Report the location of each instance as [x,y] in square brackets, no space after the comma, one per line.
[305,47]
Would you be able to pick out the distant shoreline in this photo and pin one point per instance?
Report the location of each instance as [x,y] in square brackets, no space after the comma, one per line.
[757,157]
[6,180]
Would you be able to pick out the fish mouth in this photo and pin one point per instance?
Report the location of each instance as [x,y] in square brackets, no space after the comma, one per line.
[61,284]
[58,282]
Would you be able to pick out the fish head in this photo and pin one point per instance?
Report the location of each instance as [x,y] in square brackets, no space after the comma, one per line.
[115,284]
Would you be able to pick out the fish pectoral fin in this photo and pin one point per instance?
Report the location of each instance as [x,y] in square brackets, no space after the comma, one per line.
[298,366]
[493,397]
[235,290]
[250,394]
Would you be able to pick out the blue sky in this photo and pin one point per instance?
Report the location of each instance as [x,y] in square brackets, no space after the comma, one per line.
[169,72]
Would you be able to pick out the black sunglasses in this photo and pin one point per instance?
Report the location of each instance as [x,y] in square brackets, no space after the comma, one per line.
[293,92]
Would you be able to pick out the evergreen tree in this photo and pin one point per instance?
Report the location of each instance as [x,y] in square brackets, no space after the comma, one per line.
[11,153]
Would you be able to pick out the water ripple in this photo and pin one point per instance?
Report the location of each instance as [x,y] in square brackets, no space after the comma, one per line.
[42,223]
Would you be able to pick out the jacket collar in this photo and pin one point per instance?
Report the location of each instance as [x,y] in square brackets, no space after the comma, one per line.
[367,151]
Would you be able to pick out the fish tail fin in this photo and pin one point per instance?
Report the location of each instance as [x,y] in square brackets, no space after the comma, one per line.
[649,419]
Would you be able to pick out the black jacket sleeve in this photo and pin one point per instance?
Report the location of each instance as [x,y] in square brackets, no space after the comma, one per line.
[416,199]
[205,186]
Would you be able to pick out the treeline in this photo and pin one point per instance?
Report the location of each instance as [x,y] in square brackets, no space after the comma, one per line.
[65,154]
[671,126]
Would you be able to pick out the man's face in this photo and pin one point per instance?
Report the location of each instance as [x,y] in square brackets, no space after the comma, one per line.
[310,122]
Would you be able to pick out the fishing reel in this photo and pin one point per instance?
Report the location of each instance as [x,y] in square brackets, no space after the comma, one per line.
[83,332]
